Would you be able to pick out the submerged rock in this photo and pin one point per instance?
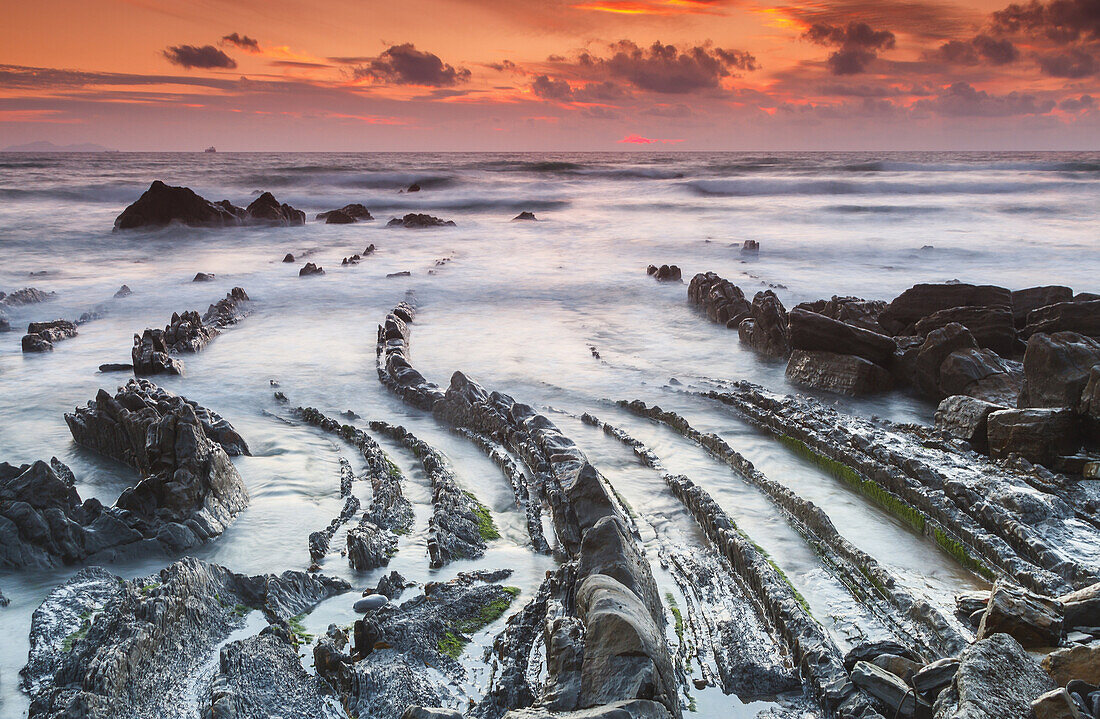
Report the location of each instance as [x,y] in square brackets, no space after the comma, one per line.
[123,291]
[266,208]
[347,214]
[203,277]
[27,296]
[665,273]
[288,257]
[525,215]
[414,219]
[311,269]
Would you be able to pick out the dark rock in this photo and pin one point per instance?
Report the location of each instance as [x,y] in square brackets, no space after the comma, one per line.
[371,602]
[849,310]
[636,709]
[163,204]
[1082,607]
[414,187]
[266,208]
[123,291]
[869,651]
[982,374]
[391,585]
[891,690]
[1037,435]
[203,277]
[991,327]
[750,247]
[996,679]
[150,355]
[668,273]
[288,257]
[937,346]
[920,301]
[1024,301]
[310,269]
[1089,405]
[337,217]
[607,548]
[370,546]
[724,301]
[414,219]
[1032,620]
[369,250]
[1057,369]
[41,335]
[416,712]
[813,331]
[350,213]
[115,367]
[966,418]
[402,273]
[933,678]
[529,216]
[231,309]
[1082,317]
[843,374]
[766,329]
[27,296]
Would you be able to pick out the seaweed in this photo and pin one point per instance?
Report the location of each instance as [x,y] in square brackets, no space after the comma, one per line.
[485,525]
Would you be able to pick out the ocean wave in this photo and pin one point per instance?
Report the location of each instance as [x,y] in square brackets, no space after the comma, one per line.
[356,179]
[765,187]
[466,205]
[884,209]
[1006,166]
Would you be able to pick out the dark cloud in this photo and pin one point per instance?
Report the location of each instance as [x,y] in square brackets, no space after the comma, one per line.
[299,64]
[1077,104]
[664,68]
[982,48]
[550,89]
[244,42]
[1073,64]
[857,43]
[503,66]
[1059,20]
[405,65]
[206,57]
[925,19]
[963,100]
[23,77]
[595,92]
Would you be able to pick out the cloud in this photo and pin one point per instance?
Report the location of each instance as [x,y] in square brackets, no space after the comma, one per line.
[981,48]
[1073,64]
[206,57]
[653,7]
[1059,20]
[663,68]
[549,88]
[857,43]
[405,65]
[244,42]
[1077,104]
[963,100]
[639,140]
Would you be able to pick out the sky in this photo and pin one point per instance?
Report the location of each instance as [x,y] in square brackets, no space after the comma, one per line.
[553,75]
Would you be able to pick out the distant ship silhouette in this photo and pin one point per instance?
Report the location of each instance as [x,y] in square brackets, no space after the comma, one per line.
[211,149]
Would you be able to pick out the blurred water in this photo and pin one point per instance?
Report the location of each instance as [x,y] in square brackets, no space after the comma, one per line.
[517,307]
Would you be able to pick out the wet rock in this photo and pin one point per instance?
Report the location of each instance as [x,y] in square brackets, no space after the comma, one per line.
[1030,619]
[869,651]
[982,374]
[403,273]
[391,585]
[310,269]
[724,301]
[371,602]
[231,309]
[996,679]
[414,187]
[369,546]
[1089,405]
[416,712]
[1055,704]
[888,688]
[123,291]
[933,678]
[853,311]
[41,336]
[203,277]
[766,329]
[636,709]
[164,204]
[937,346]
[1082,607]
[1082,317]
[607,548]
[840,373]
[89,632]
[813,331]
[920,301]
[368,250]
[416,220]
[1081,662]
[348,213]
[27,296]
[991,327]
[150,355]
[1057,369]
[665,273]
[966,418]
[1024,301]
[898,666]
[288,257]
[266,208]
[525,215]
[750,247]
[1037,435]
[4,601]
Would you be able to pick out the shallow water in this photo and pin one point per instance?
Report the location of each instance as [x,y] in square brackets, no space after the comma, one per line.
[517,308]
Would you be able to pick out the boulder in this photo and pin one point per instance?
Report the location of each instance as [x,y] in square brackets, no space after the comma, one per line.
[1081,662]
[887,687]
[525,216]
[203,277]
[417,220]
[371,602]
[266,208]
[1024,301]
[766,330]
[353,213]
[996,679]
[853,311]
[1082,317]
[750,247]
[336,217]
[150,355]
[1082,607]
[898,666]
[991,327]
[115,367]
[310,269]
[843,374]
[920,301]
[1055,704]
[982,374]
[414,187]
[1031,619]
[724,301]
[369,546]
[933,678]
[966,418]
[164,204]
[607,548]
[668,273]
[1037,435]
[937,346]
[1057,369]
[41,336]
[813,331]
[288,257]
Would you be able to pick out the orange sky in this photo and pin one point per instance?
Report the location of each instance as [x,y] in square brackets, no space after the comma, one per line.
[552,75]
